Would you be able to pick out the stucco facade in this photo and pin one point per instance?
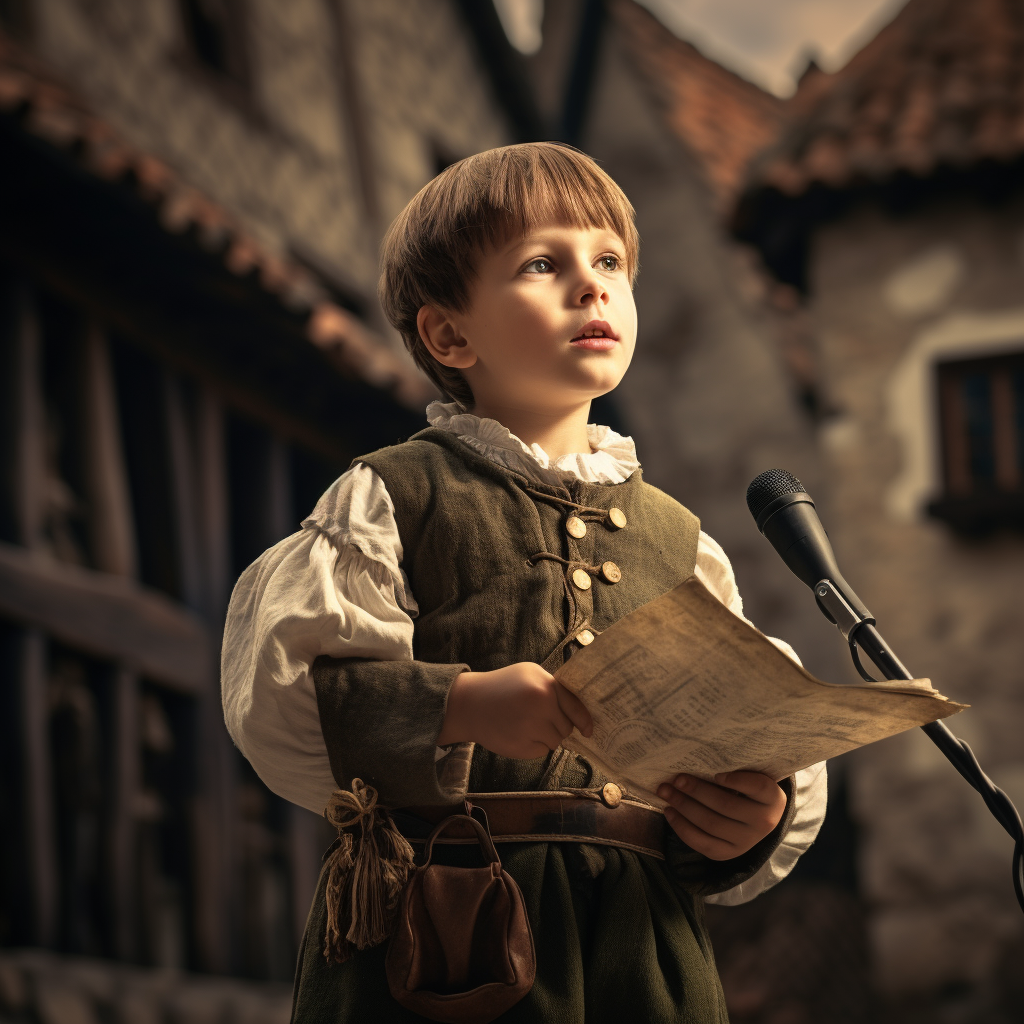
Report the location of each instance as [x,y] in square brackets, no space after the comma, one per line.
[892,296]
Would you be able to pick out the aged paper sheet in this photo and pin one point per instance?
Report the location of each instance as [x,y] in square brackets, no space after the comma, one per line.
[683,685]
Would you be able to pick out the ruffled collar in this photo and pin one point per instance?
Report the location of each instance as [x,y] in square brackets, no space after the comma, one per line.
[611,461]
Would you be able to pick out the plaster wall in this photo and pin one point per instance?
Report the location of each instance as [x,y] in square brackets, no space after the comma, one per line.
[707,397]
[890,297]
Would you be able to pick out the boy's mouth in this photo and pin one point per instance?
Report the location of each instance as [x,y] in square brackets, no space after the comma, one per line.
[595,335]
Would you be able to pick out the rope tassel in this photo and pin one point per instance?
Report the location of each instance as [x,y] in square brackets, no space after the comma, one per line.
[366,872]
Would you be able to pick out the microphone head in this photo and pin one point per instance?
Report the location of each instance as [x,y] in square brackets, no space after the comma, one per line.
[767,487]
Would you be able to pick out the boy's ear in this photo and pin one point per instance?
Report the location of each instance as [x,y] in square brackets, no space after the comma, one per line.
[444,341]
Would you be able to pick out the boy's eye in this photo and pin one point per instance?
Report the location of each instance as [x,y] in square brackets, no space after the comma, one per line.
[539,266]
[608,262]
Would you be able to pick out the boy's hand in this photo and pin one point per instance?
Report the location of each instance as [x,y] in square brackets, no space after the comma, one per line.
[517,711]
[724,818]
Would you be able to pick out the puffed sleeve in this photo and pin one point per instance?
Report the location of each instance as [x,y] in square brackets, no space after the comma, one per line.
[334,591]
[809,786]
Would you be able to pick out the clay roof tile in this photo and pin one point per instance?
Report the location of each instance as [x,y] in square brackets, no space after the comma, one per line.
[942,83]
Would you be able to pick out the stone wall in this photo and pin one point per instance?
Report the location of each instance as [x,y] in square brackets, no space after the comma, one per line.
[889,297]
[347,97]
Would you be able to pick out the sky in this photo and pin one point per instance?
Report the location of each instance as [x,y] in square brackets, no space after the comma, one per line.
[766,41]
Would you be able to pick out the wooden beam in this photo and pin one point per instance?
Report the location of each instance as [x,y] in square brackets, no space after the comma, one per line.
[126,785]
[29,493]
[108,617]
[38,782]
[111,521]
[213,506]
[30,441]
[183,488]
[216,896]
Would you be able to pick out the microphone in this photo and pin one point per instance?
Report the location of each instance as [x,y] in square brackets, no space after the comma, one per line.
[785,515]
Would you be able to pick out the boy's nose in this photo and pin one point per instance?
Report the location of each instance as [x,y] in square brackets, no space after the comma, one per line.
[591,290]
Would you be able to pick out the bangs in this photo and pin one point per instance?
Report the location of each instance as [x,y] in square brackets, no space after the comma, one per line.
[491,198]
[532,185]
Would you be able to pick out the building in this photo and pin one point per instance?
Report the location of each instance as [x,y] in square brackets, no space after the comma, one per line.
[893,202]
[193,193]
[196,189]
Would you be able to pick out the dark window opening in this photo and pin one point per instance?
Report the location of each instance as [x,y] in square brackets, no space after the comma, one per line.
[981,412]
[15,17]
[215,34]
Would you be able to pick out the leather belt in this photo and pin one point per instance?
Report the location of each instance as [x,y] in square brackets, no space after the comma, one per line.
[603,816]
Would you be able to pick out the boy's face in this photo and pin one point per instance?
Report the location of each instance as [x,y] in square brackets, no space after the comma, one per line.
[551,322]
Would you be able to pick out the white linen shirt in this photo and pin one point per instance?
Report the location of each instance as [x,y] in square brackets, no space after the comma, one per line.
[337,588]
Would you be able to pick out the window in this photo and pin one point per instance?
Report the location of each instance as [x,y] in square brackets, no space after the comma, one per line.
[215,37]
[981,408]
[14,17]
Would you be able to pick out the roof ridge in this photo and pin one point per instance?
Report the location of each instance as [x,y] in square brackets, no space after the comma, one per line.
[722,118]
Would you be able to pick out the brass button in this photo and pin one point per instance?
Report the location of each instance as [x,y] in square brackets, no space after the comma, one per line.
[581,578]
[611,795]
[611,572]
[585,637]
[617,518]
[575,527]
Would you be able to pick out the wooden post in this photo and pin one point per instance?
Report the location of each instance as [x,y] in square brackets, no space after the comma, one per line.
[30,440]
[30,512]
[112,533]
[184,487]
[124,831]
[217,897]
[111,520]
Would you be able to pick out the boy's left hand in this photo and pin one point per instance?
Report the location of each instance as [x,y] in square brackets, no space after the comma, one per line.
[724,818]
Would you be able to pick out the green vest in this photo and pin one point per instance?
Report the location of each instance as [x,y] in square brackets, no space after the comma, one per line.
[492,563]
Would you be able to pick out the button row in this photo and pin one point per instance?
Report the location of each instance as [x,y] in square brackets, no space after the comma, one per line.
[610,573]
[575,527]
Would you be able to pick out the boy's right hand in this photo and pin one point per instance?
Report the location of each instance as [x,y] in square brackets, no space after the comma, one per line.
[518,711]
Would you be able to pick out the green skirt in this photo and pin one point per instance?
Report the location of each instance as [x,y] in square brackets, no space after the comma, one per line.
[619,944]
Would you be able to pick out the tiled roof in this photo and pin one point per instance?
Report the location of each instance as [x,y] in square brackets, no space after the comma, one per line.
[941,85]
[51,111]
[722,118]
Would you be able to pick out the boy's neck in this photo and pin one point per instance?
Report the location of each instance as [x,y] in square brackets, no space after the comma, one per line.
[561,432]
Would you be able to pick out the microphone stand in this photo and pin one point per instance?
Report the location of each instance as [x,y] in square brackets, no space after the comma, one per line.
[860,631]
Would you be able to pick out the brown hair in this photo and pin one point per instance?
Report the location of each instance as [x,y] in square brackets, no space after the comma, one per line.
[428,254]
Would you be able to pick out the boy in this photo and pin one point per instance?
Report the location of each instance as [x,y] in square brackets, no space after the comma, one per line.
[438,583]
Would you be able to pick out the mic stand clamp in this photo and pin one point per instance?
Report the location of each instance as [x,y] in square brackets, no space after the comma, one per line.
[838,609]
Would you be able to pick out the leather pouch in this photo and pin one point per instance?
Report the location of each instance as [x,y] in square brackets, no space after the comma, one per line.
[462,950]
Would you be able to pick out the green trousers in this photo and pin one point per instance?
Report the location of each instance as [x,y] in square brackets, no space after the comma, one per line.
[625,945]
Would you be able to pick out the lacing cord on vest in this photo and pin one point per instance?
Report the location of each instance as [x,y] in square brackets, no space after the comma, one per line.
[585,512]
[594,570]
[554,659]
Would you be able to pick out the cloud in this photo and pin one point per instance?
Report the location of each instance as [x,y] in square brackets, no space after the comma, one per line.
[769,41]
